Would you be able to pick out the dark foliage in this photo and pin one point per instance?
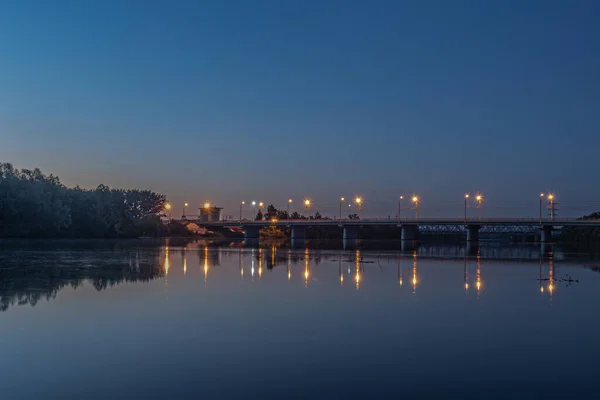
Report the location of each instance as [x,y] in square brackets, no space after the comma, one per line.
[36,205]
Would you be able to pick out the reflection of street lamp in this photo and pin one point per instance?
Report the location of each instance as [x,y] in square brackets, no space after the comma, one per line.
[341,201]
[358,202]
[415,199]
[466,198]
[307,205]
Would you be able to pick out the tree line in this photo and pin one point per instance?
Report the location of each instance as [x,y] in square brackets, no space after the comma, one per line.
[273,213]
[33,204]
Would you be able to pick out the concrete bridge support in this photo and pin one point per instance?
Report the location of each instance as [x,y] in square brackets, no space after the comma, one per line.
[298,236]
[473,233]
[298,232]
[350,232]
[350,237]
[410,232]
[251,232]
[408,245]
[546,234]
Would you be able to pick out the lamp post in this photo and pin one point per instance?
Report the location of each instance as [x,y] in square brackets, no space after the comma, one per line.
[541,200]
[307,204]
[400,206]
[168,208]
[241,206]
[479,200]
[415,199]
[183,213]
[466,198]
[288,207]
[341,201]
[254,205]
[551,200]
[359,201]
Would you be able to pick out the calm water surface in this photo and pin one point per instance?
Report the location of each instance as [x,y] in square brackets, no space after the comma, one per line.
[126,320]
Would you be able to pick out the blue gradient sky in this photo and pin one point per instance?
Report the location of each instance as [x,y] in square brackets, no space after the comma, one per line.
[265,100]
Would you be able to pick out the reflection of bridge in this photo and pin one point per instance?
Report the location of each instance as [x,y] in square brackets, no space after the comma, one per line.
[410,227]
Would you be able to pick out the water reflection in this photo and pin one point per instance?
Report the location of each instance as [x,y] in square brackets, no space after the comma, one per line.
[28,276]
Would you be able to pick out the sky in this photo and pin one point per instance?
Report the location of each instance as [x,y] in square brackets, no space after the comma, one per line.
[230,101]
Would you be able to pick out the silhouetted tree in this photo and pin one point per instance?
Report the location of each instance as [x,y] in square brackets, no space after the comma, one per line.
[271,212]
[353,216]
[259,215]
[318,215]
[282,214]
[295,215]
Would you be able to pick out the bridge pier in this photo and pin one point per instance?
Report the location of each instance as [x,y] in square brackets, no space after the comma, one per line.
[350,237]
[472,249]
[410,232]
[350,232]
[408,245]
[473,233]
[298,232]
[546,234]
[251,232]
[298,236]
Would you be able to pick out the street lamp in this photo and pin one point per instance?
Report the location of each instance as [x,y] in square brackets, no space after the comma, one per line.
[341,201]
[466,198]
[307,205]
[415,199]
[479,200]
[254,205]
[551,200]
[207,205]
[184,207]
[400,206]
[168,208]
[241,206]
[289,202]
[358,202]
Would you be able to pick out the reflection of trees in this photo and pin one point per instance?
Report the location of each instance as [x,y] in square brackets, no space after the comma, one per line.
[28,277]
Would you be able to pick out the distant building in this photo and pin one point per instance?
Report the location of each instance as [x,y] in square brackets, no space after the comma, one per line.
[210,214]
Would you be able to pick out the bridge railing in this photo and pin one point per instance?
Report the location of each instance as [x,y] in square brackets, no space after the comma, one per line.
[483,221]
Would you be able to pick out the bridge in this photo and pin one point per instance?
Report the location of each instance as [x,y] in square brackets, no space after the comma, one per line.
[409,226]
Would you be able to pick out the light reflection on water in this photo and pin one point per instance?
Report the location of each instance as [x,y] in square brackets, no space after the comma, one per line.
[182,319]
